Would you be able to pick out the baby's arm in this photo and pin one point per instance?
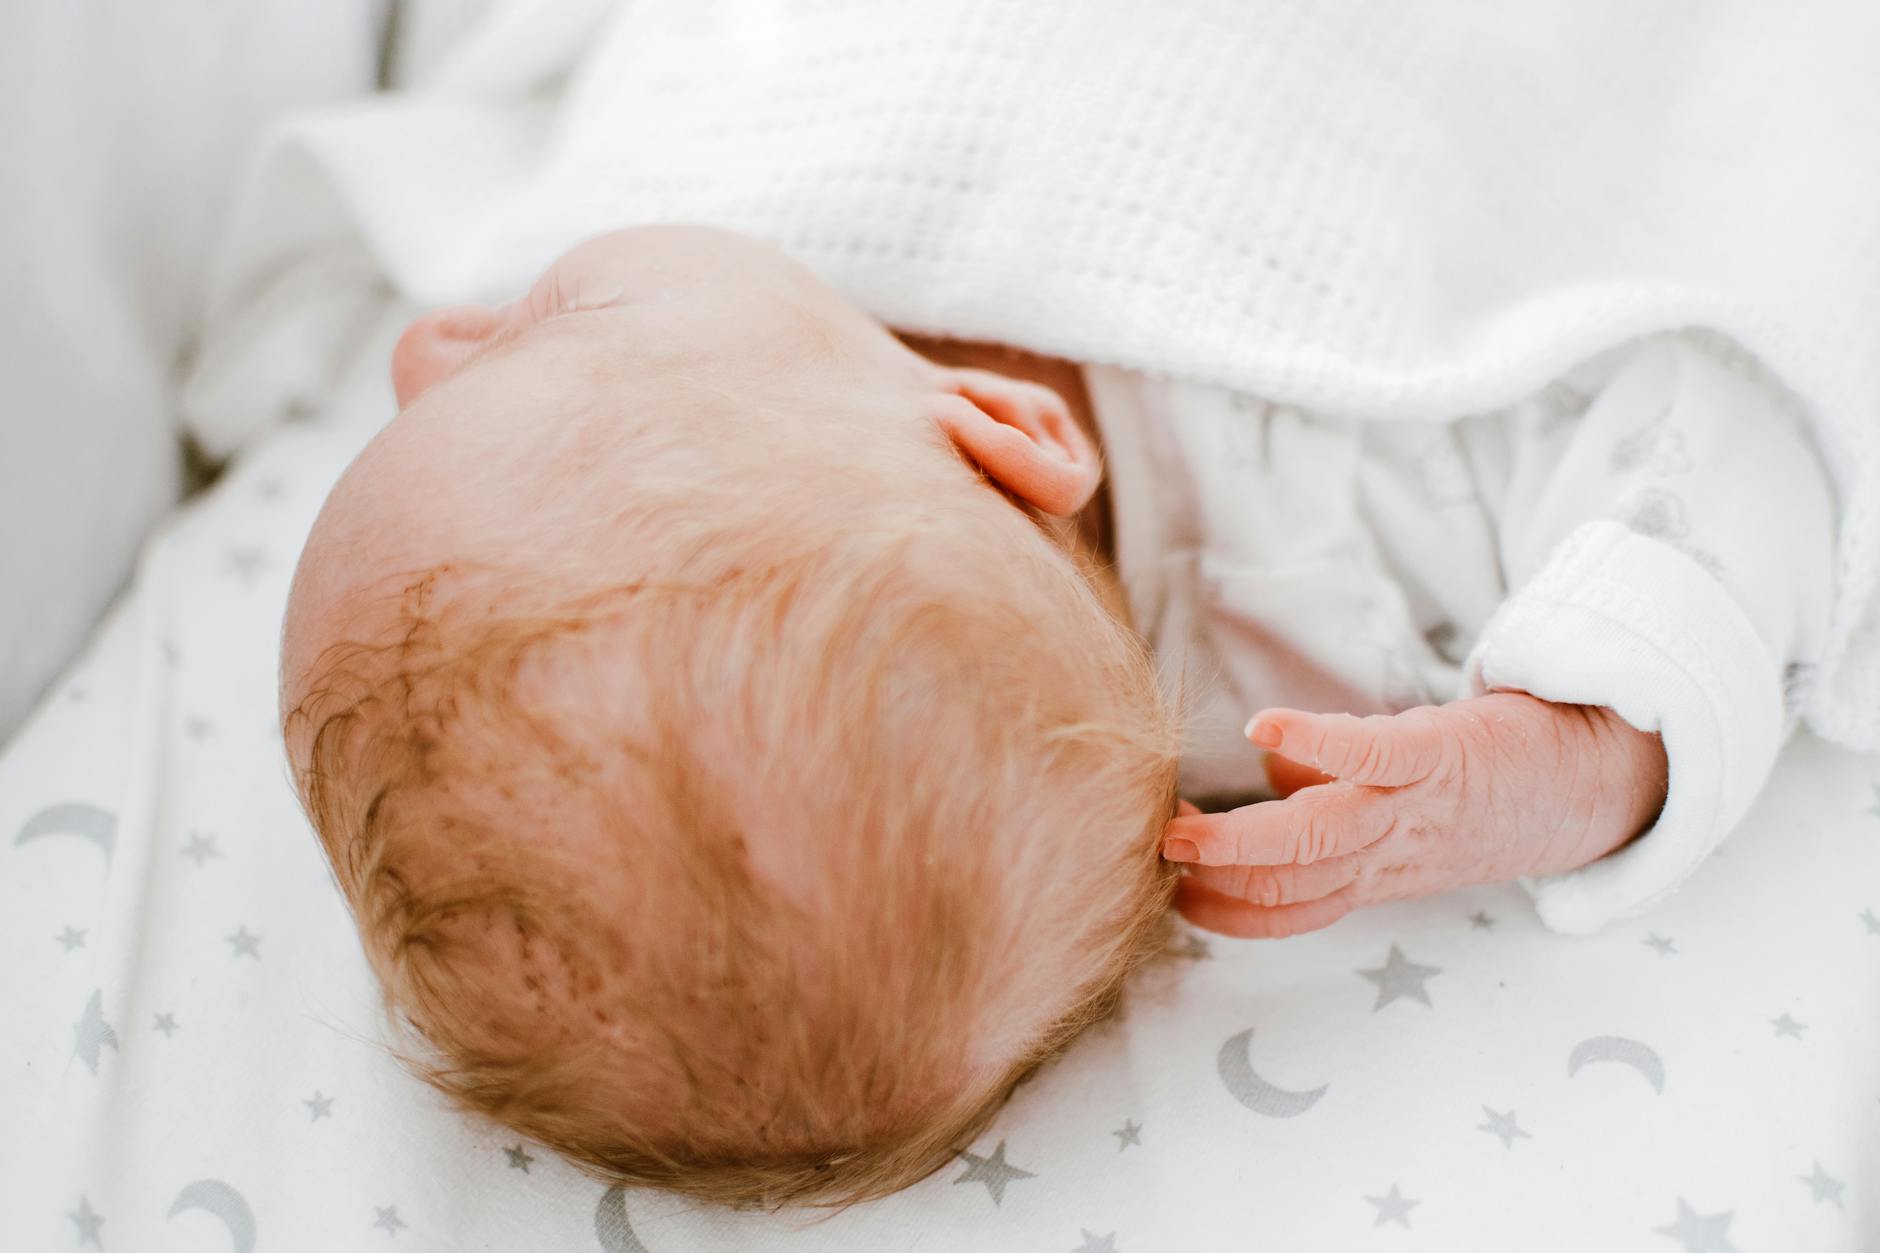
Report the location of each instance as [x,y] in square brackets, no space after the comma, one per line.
[1681,614]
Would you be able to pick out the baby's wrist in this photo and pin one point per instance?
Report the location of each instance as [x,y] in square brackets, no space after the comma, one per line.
[1608,776]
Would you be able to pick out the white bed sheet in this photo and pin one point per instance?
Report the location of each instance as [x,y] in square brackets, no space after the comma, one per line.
[190,1056]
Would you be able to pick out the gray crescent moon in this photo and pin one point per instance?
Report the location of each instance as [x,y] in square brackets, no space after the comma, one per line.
[611,1227]
[1246,1086]
[73,818]
[1616,1048]
[225,1203]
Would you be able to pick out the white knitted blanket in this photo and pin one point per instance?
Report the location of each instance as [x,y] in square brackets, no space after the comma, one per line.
[1390,211]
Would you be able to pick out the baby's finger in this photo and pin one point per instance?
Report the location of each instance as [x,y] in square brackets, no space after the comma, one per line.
[1268,886]
[1385,750]
[1308,826]
[1286,776]
[1229,915]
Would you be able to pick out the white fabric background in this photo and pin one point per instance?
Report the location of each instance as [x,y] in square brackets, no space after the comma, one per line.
[123,129]
[1404,213]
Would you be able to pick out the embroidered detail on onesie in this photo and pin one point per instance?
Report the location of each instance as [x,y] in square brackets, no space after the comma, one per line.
[1798,681]
[1654,448]
[1658,514]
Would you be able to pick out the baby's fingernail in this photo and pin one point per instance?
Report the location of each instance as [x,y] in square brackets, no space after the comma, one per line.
[1180,850]
[1265,734]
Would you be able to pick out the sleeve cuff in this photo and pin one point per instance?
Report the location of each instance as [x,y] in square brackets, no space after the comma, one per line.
[1622,620]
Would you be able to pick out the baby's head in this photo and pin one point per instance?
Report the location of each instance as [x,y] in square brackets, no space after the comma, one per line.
[738,781]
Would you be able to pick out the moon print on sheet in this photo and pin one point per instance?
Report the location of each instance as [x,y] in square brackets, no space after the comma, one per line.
[1615,1048]
[1245,1085]
[611,1227]
[87,822]
[225,1203]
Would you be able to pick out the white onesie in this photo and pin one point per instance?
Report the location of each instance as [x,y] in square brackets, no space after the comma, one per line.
[1653,533]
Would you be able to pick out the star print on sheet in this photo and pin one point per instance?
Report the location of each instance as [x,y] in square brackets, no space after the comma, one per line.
[1786,1025]
[243,943]
[1871,921]
[992,1171]
[71,938]
[1823,1187]
[1400,977]
[245,564]
[89,1221]
[92,1033]
[1664,946]
[198,729]
[1502,1127]
[388,1218]
[201,848]
[1393,1207]
[1192,948]
[166,1023]
[1482,920]
[1129,1133]
[1700,1233]
[319,1106]
[519,1158]
[1874,808]
[1094,1243]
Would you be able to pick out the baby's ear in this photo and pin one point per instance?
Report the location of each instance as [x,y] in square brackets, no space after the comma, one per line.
[437,344]
[1022,435]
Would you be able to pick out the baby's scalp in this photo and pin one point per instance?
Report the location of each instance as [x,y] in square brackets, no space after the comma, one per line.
[758,842]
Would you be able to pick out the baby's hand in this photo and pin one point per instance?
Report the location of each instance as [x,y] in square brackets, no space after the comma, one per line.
[1478,791]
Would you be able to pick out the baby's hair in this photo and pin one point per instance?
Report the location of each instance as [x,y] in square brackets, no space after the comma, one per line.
[767,881]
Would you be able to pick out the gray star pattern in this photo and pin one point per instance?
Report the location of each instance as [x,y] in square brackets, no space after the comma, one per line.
[166,1023]
[1129,1133]
[1482,920]
[72,937]
[1664,946]
[91,1033]
[1701,1233]
[519,1158]
[244,942]
[1393,1207]
[89,1223]
[388,1218]
[268,489]
[198,729]
[1874,809]
[991,1171]
[320,1106]
[1871,920]
[245,564]
[1398,977]
[1786,1025]
[1823,1186]
[1192,948]
[1502,1127]
[201,848]
[1094,1243]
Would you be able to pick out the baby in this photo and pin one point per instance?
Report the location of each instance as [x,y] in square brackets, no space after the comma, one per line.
[726,721]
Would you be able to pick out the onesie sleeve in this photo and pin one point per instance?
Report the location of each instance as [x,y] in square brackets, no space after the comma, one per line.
[1669,553]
